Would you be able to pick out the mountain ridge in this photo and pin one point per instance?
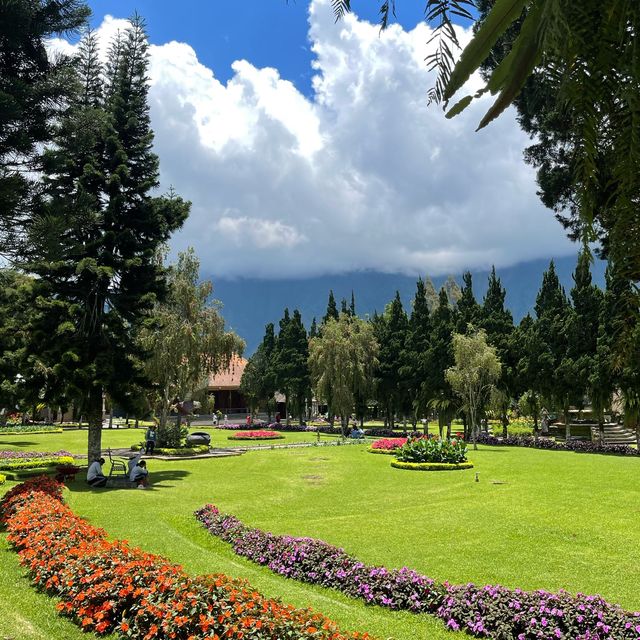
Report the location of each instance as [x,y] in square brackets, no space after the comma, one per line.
[250,303]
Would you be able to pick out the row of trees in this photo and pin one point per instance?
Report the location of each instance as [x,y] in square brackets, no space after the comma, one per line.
[90,299]
[410,364]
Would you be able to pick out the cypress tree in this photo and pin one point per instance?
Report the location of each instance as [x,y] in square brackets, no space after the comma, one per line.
[554,316]
[332,309]
[468,309]
[439,359]
[414,369]
[431,294]
[453,291]
[391,336]
[583,327]
[292,369]
[313,330]
[498,323]
[96,240]
[352,306]
[343,306]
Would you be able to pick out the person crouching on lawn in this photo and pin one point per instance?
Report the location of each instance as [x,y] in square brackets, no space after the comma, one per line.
[95,477]
[139,474]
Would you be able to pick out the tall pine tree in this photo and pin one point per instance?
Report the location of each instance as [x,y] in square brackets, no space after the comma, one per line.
[332,309]
[96,239]
[468,309]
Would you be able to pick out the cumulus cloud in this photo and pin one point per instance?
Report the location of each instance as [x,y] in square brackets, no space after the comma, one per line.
[359,175]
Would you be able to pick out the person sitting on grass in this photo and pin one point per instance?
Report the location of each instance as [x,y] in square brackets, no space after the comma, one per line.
[356,433]
[139,475]
[95,477]
[133,461]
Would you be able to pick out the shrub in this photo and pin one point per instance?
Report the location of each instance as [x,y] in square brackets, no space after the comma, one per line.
[433,450]
[109,587]
[431,466]
[255,435]
[3,479]
[192,450]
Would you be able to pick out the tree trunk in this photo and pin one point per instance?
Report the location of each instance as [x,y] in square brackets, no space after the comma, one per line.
[474,430]
[111,418]
[638,434]
[567,425]
[601,429]
[94,417]
[505,425]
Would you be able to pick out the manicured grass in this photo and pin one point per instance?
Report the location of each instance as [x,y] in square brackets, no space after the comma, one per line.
[536,519]
[75,440]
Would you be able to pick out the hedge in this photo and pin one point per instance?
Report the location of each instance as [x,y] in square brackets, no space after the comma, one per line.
[431,466]
[108,587]
[183,451]
[16,431]
[3,479]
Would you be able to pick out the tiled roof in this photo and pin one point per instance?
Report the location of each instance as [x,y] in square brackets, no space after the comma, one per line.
[229,379]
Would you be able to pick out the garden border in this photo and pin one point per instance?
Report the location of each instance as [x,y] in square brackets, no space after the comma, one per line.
[432,466]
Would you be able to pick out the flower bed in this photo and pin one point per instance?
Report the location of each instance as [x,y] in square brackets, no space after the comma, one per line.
[318,562]
[31,429]
[579,446]
[17,464]
[387,445]
[10,454]
[109,587]
[431,466]
[256,435]
[484,612]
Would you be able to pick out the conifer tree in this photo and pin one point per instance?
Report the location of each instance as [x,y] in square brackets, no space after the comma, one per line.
[258,379]
[468,309]
[431,294]
[352,306]
[453,291]
[498,324]
[95,241]
[554,316]
[583,327]
[291,362]
[332,309]
[313,330]
[33,89]
[439,359]
[391,336]
[343,306]
[414,368]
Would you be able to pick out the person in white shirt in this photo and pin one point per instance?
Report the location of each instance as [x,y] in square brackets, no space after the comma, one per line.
[95,477]
[139,474]
[133,461]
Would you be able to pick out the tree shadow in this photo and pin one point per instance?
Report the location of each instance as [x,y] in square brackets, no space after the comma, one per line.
[20,443]
[158,480]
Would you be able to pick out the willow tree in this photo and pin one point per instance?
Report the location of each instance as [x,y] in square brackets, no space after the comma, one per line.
[342,362]
[186,342]
[477,368]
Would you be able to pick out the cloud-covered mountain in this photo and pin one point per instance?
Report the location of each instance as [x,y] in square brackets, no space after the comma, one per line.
[251,303]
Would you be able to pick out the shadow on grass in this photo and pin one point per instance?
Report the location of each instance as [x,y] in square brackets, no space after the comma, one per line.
[156,480]
[20,443]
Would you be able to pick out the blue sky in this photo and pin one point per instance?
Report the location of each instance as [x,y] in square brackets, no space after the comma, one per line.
[269,33]
[307,147]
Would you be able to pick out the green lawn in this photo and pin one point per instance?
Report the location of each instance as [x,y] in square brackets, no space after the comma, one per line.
[75,440]
[536,519]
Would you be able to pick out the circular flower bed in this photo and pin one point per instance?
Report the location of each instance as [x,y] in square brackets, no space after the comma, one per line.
[387,446]
[431,466]
[256,435]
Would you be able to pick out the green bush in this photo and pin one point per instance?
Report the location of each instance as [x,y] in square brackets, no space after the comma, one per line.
[3,479]
[431,466]
[451,451]
[170,451]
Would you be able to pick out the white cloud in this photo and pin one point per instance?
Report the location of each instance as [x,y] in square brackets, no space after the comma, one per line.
[362,175]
